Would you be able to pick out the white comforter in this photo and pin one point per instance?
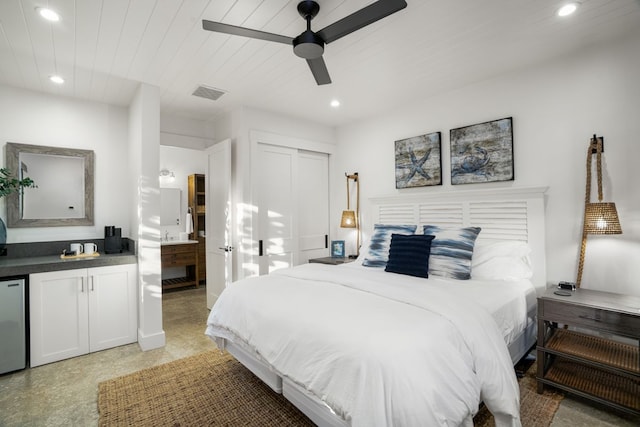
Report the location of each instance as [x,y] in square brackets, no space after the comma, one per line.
[380,349]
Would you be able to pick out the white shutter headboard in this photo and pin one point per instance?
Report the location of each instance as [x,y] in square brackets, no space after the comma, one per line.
[502,213]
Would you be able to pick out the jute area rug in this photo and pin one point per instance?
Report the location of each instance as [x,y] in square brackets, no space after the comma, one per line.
[536,410]
[211,388]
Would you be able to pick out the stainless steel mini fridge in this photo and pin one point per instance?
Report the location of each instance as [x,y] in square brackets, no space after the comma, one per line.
[13,340]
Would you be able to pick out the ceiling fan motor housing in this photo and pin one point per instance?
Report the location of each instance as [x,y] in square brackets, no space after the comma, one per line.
[308,45]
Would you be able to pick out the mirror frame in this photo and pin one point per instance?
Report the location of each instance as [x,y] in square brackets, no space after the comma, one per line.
[14,218]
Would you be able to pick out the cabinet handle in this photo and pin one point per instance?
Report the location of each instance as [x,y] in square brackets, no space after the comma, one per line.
[326,241]
[82,284]
[92,279]
[260,252]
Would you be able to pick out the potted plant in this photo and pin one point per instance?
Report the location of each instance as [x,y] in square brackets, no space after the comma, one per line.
[10,184]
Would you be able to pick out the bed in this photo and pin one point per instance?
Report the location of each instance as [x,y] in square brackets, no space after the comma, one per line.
[357,345]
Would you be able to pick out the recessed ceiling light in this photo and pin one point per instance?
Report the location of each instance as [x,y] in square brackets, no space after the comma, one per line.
[48,14]
[335,103]
[56,79]
[567,9]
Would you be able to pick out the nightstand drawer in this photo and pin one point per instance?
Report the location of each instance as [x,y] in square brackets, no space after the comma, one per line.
[595,318]
[331,260]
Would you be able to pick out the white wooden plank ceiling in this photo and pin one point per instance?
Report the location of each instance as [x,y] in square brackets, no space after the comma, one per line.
[104,48]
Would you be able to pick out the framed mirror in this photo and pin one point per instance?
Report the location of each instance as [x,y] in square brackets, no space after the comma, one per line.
[64,179]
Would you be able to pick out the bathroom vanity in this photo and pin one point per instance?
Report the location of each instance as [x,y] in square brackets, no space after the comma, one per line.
[180,254]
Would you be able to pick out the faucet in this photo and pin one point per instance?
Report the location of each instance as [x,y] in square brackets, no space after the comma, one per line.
[166,236]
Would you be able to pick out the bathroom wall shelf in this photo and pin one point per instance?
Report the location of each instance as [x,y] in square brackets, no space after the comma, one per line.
[197,204]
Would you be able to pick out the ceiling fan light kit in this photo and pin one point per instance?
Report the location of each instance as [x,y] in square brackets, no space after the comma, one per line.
[309,45]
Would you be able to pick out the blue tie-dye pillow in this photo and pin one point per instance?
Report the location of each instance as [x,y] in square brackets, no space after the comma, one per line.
[451,251]
[378,254]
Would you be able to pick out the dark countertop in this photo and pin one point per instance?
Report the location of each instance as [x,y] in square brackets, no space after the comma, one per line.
[40,257]
[41,264]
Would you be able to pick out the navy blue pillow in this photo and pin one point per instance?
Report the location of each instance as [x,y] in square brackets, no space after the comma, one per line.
[409,254]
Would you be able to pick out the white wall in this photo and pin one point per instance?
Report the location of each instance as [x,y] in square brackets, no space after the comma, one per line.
[556,108]
[34,118]
[186,133]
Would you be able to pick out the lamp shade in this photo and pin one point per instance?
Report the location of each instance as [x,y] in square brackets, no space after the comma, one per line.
[601,218]
[348,219]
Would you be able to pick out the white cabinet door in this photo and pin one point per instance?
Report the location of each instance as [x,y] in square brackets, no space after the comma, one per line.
[74,312]
[58,307]
[113,313]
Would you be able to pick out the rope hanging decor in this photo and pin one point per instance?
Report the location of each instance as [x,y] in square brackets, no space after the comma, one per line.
[600,217]
[351,219]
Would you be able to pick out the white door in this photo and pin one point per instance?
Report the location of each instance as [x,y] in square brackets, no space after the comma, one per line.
[113,302]
[277,170]
[219,220]
[59,317]
[313,205]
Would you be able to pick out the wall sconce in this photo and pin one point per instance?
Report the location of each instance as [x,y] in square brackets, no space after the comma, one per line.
[167,175]
[350,219]
[600,217]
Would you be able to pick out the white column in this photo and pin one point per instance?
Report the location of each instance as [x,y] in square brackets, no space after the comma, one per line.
[144,160]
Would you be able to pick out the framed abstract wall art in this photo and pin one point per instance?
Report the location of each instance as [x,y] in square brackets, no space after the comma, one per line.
[418,161]
[482,152]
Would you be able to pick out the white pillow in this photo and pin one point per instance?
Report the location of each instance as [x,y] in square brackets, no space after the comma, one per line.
[503,260]
[503,268]
[510,248]
[364,250]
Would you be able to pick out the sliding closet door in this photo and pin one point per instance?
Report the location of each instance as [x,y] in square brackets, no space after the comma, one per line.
[313,205]
[292,194]
[277,205]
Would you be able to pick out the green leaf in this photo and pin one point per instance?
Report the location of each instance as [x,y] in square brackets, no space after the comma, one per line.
[9,184]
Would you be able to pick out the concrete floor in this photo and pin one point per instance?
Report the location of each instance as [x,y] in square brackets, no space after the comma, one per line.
[65,393]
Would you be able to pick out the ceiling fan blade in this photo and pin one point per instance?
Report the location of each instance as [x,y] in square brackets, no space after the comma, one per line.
[245,32]
[319,70]
[365,16]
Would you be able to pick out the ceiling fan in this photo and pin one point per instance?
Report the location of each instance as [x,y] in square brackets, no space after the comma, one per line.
[310,45]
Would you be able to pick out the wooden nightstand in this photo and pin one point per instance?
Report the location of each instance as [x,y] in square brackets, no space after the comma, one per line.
[593,367]
[331,260]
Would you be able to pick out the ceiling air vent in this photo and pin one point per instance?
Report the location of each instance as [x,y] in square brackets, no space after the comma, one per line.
[208,92]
